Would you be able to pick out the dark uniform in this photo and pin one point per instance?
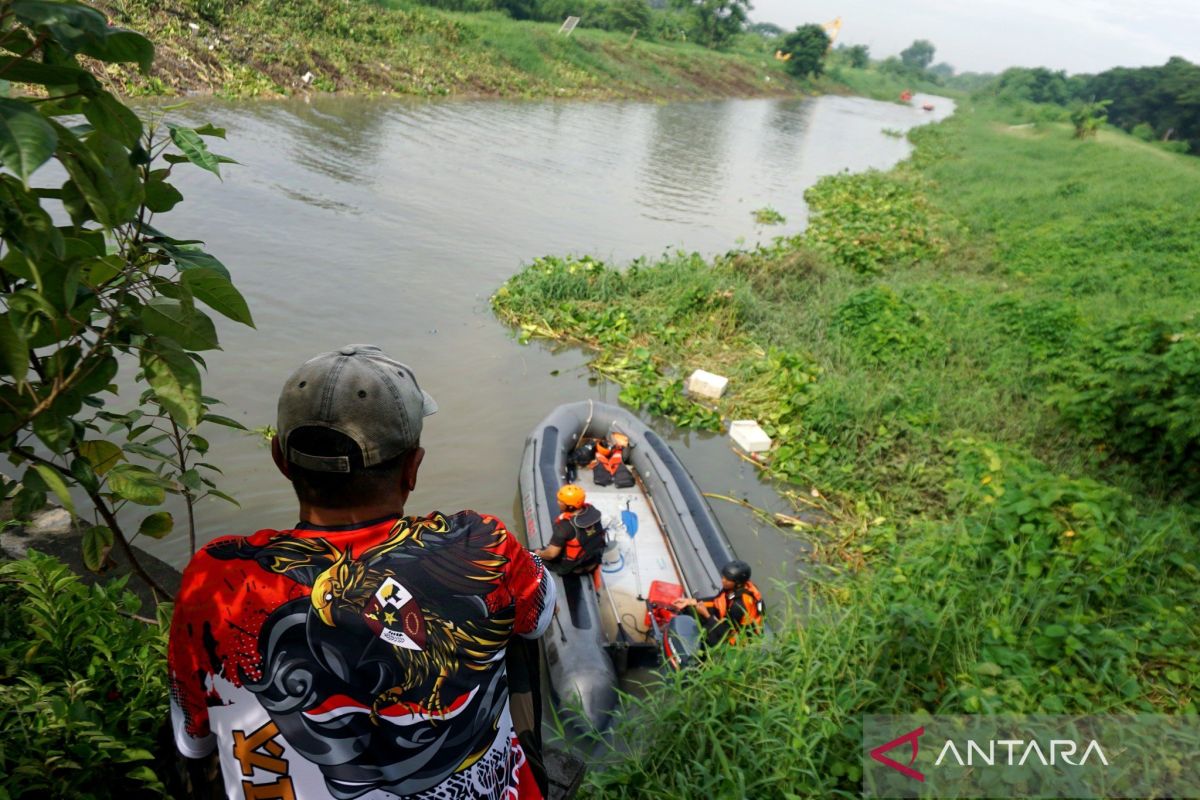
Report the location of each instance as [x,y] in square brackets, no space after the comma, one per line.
[730,613]
[580,534]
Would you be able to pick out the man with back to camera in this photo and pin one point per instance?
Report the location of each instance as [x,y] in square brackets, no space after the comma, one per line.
[577,544]
[361,653]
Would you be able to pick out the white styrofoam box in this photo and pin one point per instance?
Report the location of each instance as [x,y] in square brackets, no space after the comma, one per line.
[749,436]
[702,383]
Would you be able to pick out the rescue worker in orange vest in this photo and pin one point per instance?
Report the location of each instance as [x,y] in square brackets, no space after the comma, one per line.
[737,608]
[610,462]
[577,544]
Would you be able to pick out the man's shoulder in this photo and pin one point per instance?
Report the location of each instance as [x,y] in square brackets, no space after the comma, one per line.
[474,522]
[470,517]
[222,544]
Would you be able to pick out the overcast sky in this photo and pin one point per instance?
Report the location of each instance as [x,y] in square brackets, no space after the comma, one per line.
[989,35]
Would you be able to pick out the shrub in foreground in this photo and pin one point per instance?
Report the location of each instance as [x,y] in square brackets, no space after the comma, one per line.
[83,685]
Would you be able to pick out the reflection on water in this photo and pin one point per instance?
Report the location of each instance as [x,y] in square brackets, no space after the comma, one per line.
[684,165]
[353,220]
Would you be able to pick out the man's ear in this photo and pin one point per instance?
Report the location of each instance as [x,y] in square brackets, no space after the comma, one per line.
[277,455]
[411,465]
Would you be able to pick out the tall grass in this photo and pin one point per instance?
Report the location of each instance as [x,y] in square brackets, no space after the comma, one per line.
[942,369]
[256,47]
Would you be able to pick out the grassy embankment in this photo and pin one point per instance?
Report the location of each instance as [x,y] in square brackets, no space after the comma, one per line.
[262,48]
[987,363]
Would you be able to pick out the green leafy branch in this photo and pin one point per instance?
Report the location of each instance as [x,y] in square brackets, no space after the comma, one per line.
[108,290]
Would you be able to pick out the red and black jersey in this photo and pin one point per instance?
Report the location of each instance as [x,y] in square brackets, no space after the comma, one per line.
[365,661]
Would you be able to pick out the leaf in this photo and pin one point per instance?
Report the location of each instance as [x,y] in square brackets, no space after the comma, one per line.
[83,473]
[136,754]
[27,502]
[55,483]
[101,172]
[113,118]
[224,497]
[175,379]
[217,419]
[97,544]
[188,258]
[144,774]
[191,480]
[989,669]
[157,525]
[24,70]
[103,270]
[68,24]
[81,29]
[136,484]
[27,140]
[193,147]
[208,129]
[14,350]
[53,427]
[101,454]
[162,196]
[216,291]
[1055,631]
[120,45]
[192,329]
[146,451]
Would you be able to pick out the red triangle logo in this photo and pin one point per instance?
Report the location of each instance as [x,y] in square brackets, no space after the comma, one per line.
[905,769]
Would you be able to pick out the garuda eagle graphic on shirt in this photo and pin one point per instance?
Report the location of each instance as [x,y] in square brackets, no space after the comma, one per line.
[420,645]
[382,661]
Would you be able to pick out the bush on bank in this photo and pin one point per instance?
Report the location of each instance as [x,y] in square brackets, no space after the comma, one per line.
[1004,421]
[83,685]
[1041,593]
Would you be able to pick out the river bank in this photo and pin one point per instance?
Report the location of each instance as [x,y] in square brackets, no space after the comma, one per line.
[977,365]
[269,49]
[262,49]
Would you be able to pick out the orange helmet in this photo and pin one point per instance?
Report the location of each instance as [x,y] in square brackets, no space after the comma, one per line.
[571,496]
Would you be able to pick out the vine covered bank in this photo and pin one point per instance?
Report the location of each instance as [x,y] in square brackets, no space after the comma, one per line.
[983,366]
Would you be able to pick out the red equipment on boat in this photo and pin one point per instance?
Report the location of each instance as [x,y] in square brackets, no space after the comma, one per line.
[662,595]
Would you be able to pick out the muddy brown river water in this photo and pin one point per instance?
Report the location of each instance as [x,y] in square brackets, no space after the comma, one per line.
[365,220]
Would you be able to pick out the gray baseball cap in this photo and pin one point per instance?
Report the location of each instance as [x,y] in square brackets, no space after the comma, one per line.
[361,393]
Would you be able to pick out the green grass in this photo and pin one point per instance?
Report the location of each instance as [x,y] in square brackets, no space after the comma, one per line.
[871,82]
[253,48]
[987,364]
[257,47]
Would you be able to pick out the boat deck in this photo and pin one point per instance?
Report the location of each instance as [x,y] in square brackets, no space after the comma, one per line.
[637,554]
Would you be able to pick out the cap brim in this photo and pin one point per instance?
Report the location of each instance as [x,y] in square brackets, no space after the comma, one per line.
[428,405]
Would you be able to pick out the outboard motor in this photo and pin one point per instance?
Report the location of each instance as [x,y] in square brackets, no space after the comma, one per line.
[683,641]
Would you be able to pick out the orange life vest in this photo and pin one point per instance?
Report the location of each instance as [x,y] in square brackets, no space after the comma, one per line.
[751,601]
[587,542]
[609,457]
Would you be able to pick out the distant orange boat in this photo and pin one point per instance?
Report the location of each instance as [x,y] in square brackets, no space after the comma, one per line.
[906,95]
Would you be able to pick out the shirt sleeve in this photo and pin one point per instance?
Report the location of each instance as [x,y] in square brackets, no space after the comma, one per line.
[186,662]
[562,534]
[531,586]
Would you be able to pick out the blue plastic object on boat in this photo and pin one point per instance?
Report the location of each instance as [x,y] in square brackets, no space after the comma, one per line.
[630,520]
